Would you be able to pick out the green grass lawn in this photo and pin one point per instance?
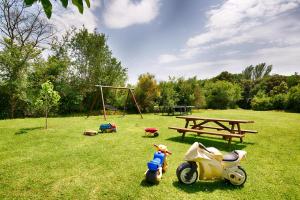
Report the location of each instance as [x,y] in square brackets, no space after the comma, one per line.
[61,163]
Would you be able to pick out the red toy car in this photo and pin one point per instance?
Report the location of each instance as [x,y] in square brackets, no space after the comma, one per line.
[151,131]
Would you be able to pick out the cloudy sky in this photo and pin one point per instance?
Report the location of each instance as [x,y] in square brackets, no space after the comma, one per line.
[194,37]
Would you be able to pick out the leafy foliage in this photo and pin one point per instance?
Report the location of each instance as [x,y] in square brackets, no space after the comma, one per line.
[261,102]
[279,101]
[258,72]
[48,98]
[147,92]
[47,5]
[222,94]
[168,95]
[294,98]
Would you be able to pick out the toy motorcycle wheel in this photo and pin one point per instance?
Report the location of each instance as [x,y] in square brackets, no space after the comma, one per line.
[239,181]
[152,177]
[156,134]
[186,173]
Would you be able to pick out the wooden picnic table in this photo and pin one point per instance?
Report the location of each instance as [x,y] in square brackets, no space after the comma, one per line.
[227,131]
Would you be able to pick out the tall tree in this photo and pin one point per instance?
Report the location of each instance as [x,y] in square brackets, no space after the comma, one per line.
[23,31]
[168,95]
[147,92]
[93,62]
[259,71]
[247,72]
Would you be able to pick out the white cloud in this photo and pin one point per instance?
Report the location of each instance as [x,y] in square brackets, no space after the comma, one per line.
[64,19]
[235,17]
[235,23]
[167,58]
[124,13]
[285,60]
[183,55]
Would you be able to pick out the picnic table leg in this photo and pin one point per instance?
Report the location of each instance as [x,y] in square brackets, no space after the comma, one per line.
[239,131]
[229,141]
[183,134]
[232,131]
[186,125]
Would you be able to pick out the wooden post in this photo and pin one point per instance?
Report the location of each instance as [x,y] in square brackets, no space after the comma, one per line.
[103,104]
[239,131]
[186,125]
[137,106]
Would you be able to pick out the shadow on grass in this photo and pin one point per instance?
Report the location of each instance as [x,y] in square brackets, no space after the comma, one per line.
[205,186]
[26,130]
[149,136]
[144,183]
[211,142]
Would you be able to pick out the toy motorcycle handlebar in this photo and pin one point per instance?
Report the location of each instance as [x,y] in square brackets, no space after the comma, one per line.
[165,151]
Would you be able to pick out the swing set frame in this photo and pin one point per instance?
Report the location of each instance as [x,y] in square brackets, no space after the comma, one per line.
[130,92]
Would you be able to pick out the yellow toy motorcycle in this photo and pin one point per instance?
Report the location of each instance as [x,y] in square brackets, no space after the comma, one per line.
[208,163]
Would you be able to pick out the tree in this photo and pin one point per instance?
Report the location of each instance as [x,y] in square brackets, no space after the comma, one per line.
[92,63]
[279,101]
[23,33]
[168,95]
[247,95]
[222,94]
[47,5]
[188,91]
[248,72]
[294,98]
[261,101]
[199,100]
[279,89]
[48,98]
[258,72]
[147,92]
[293,80]
[268,83]
[226,76]
[14,73]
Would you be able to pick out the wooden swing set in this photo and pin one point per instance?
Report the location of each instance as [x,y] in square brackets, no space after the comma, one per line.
[130,92]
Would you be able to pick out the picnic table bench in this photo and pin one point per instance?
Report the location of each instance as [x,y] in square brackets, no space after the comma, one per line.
[227,132]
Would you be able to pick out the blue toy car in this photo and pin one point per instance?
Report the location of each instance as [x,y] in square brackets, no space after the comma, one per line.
[108,128]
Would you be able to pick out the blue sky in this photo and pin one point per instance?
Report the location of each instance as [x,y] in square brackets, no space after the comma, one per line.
[194,37]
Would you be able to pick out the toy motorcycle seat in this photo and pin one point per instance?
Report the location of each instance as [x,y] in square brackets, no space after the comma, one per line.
[230,157]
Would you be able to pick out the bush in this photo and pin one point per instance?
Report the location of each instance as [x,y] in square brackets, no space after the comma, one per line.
[222,94]
[261,102]
[279,101]
[293,101]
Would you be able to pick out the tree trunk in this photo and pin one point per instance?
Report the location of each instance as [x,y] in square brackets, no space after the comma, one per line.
[12,106]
